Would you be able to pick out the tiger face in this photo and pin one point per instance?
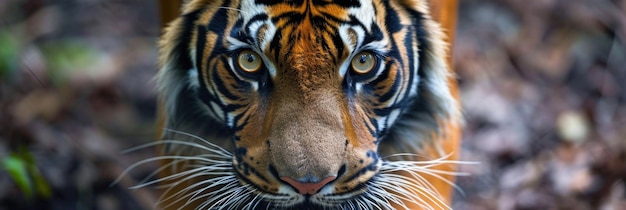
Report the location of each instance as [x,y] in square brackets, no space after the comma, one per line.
[294,104]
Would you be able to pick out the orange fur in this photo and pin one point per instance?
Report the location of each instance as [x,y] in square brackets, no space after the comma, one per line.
[446,141]
[445,12]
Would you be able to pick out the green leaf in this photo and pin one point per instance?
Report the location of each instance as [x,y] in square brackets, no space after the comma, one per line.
[41,185]
[17,169]
[22,168]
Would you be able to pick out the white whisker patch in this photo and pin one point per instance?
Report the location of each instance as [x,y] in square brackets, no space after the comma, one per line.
[223,189]
[219,188]
[364,13]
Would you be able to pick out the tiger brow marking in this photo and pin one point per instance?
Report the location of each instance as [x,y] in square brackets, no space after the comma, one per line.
[354,38]
[261,33]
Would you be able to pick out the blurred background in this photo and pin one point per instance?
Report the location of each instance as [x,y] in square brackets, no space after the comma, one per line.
[543,87]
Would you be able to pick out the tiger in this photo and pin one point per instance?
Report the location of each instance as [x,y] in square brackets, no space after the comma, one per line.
[308,104]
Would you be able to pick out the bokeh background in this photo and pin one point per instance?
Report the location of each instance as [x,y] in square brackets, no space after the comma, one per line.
[543,87]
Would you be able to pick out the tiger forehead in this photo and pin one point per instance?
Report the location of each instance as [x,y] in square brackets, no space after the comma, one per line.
[310,7]
[270,20]
[312,22]
[308,58]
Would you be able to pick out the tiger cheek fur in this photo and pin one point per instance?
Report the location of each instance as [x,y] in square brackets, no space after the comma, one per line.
[304,99]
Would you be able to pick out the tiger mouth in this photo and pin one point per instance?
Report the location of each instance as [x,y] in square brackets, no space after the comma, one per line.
[305,205]
[290,199]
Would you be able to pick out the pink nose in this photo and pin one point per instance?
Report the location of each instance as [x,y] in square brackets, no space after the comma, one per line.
[308,188]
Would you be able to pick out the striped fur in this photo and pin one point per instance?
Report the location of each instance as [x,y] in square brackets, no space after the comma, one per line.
[388,136]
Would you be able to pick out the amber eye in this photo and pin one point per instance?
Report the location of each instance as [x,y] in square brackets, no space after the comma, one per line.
[249,61]
[363,62]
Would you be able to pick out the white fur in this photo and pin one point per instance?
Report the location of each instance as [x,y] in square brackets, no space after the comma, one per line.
[364,13]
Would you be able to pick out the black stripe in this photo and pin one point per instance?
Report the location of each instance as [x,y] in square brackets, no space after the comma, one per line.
[237,33]
[219,83]
[392,19]
[254,19]
[200,45]
[418,109]
[184,62]
[275,2]
[384,76]
[344,3]
[375,35]
[240,117]
[369,168]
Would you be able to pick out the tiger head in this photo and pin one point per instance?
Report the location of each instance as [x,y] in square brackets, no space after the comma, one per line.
[290,104]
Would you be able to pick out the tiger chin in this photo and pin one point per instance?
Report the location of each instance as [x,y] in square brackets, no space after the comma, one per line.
[306,104]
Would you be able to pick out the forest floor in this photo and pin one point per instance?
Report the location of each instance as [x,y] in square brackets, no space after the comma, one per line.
[542,83]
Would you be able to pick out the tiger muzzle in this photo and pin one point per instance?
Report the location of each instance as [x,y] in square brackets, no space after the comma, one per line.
[307,144]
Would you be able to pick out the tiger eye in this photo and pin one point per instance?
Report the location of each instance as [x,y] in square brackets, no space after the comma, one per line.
[249,61]
[363,62]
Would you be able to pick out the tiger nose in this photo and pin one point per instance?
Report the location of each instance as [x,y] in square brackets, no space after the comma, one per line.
[308,187]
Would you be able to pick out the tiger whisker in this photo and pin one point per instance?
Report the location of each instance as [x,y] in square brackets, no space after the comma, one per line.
[406,187]
[376,200]
[216,168]
[223,199]
[159,158]
[254,202]
[216,161]
[388,180]
[167,178]
[199,138]
[192,195]
[418,182]
[218,153]
[224,183]
[402,193]
[443,158]
[214,182]
[413,170]
[403,155]
[381,192]
[427,192]
[241,201]
[177,142]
